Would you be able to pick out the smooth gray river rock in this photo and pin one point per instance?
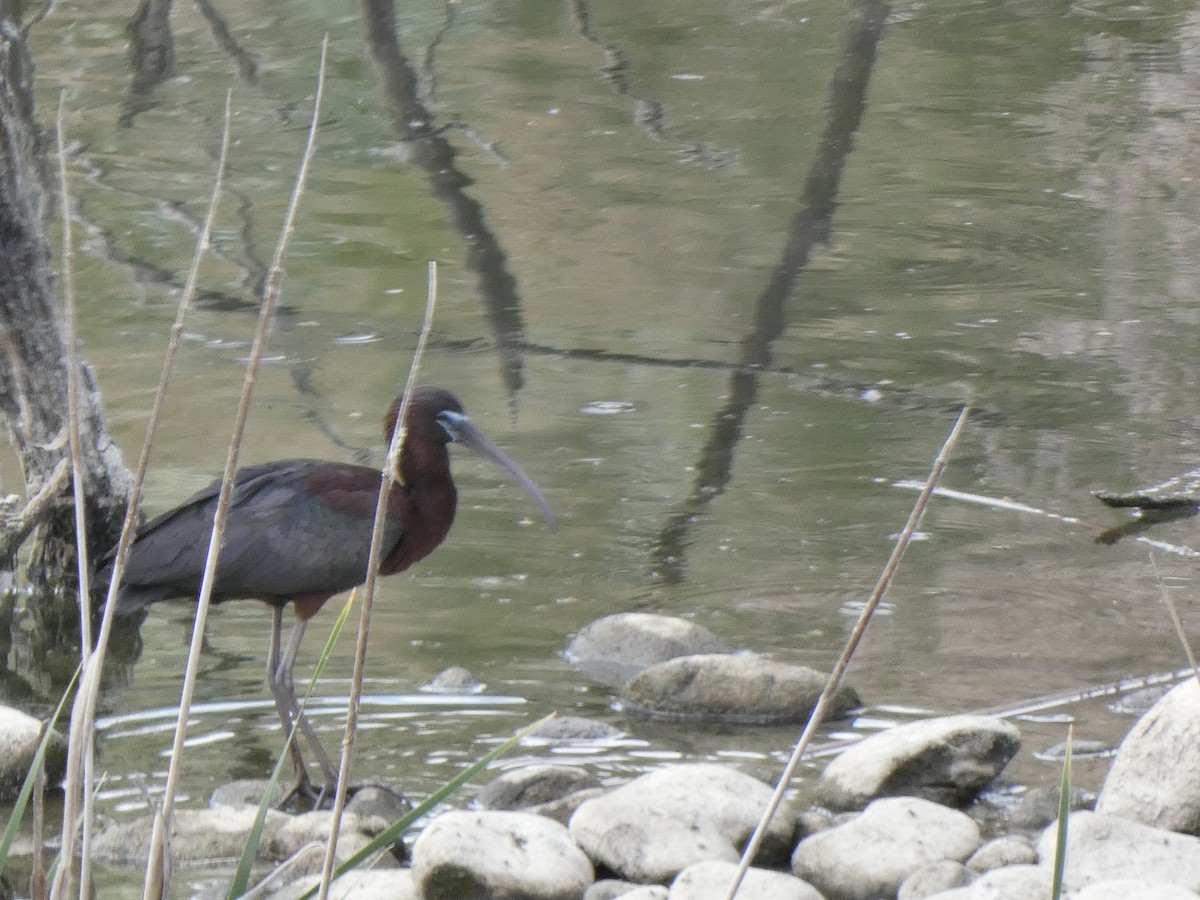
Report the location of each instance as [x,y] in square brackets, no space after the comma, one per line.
[613,649]
[1134,889]
[575,729]
[494,855]
[196,835]
[1106,848]
[653,827]
[946,760]
[454,680]
[872,854]
[310,831]
[740,689]
[553,791]
[533,785]
[1038,807]
[367,884]
[934,878]
[1007,850]
[609,889]
[1155,778]
[1009,883]
[646,892]
[711,880]
[20,734]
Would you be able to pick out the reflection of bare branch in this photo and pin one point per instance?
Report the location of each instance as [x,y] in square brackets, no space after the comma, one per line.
[100,241]
[151,54]
[431,50]
[254,274]
[823,382]
[245,63]
[650,114]
[28,27]
[436,156]
[810,226]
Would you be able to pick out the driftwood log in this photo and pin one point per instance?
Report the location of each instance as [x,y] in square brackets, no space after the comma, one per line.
[33,354]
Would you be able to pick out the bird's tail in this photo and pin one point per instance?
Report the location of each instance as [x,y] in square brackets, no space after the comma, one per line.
[131,598]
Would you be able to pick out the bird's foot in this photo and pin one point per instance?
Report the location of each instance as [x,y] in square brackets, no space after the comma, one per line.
[306,797]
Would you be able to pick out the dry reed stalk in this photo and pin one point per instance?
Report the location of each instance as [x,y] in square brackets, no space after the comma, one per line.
[81,742]
[852,642]
[77,784]
[155,884]
[390,473]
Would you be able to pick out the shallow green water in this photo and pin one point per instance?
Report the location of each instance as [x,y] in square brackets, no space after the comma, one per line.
[1015,224]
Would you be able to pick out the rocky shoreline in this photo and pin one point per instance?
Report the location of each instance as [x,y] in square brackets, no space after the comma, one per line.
[904,813]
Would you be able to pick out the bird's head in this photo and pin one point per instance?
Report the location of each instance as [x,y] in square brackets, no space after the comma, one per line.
[435,417]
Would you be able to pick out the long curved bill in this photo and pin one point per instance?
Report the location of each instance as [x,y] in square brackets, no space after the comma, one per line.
[470,436]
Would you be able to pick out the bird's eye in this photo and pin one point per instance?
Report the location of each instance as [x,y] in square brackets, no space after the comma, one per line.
[450,423]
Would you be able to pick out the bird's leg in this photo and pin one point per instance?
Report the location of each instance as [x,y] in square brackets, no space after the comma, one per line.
[284,708]
[285,687]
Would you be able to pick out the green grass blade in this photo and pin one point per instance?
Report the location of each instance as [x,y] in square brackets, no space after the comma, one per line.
[1064,813]
[394,831]
[241,877]
[18,812]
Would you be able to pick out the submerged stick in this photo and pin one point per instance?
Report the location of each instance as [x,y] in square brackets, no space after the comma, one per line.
[839,669]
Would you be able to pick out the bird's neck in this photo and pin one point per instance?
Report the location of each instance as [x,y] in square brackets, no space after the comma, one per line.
[424,501]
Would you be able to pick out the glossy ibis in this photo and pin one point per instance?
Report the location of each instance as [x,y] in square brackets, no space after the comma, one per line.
[299,531]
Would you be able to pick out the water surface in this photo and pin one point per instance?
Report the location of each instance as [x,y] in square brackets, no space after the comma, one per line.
[1014,225]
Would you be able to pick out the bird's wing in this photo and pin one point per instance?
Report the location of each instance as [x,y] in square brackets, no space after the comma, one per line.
[293,526]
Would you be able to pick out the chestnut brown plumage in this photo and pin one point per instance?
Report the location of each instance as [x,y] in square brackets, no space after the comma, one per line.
[298,532]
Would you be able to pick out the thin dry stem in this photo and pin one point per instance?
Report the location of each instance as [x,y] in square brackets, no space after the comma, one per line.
[71,316]
[155,884]
[84,707]
[839,669]
[391,473]
[37,867]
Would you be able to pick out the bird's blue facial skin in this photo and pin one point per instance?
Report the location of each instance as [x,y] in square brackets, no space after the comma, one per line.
[451,422]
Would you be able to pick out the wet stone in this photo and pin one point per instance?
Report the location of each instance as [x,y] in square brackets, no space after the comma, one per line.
[933,878]
[647,892]
[380,801]
[20,735]
[313,828]
[1155,778]
[711,880]
[723,688]
[1008,850]
[946,760]
[1105,848]
[1009,883]
[245,792]
[531,786]
[566,729]
[1038,807]
[609,889]
[454,680]
[613,649]
[871,855]
[374,884]
[197,835]
[650,829]
[1134,889]
[482,855]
